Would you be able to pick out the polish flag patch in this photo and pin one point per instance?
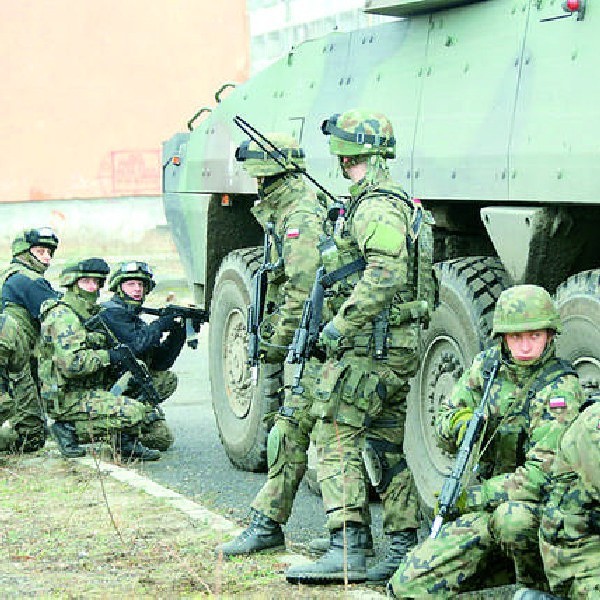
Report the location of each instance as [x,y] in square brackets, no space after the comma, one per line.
[292,233]
[558,402]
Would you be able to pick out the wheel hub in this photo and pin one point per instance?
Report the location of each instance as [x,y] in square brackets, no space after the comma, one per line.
[236,374]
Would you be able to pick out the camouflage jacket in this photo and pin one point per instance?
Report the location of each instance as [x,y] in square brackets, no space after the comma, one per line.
[522,429]
[298,217]
[376,229]
[24,289]
[71,358]
[15,373]
[575,484]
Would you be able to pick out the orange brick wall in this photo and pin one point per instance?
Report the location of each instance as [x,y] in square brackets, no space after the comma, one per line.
[91,89]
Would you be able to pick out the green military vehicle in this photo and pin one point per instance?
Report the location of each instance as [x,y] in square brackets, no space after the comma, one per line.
[496,109]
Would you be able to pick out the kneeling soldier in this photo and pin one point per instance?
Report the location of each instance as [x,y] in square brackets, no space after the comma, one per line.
[76,374]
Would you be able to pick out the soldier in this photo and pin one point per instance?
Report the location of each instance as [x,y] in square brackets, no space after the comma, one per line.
[75,370]
[384,292]
[24,288]
[533,398]
[290,209]
[570,528]
[16,383]
[131,282]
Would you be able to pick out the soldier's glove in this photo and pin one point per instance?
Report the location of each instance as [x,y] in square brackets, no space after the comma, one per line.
[330,338]
[595,521]
[117,355]
[458,423]
[166,322]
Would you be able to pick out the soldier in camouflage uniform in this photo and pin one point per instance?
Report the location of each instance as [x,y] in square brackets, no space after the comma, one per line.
[372,352]
[75,370]
[24,288]
[570,528]
[16,382]
[131,282]
[296,218]
[533,398]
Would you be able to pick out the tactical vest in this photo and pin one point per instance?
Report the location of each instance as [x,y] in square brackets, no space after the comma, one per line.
[512,441]
[417,299]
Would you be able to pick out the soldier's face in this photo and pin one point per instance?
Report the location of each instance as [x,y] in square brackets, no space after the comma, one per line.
[134,288]
[353,170]
[43,254]
[89,284]
[527,345]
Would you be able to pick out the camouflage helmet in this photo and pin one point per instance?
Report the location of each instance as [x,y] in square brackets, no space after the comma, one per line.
[90,267]
[40,236]
[273,158]
[359,132]
[525,308]
[132,270]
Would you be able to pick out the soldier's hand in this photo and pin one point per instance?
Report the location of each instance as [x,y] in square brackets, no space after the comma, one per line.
[166,322]
[458,509]
[330,338]
[458,423]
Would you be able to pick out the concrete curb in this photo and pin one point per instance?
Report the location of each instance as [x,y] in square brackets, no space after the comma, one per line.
[196,511]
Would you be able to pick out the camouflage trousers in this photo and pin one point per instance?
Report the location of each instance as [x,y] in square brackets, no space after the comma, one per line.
[98,413]
[470,553]
[24,413]
[571,565]
[155,431]
[361,402]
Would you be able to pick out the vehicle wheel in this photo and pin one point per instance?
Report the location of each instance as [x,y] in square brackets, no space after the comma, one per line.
[459,329]
[238,405]
[578,301]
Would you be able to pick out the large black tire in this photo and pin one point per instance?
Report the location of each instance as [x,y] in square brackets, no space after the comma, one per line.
[578,300]
[238,405]
[459,329]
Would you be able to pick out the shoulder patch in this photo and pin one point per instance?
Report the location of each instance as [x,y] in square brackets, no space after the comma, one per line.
[292,233]
[558,402]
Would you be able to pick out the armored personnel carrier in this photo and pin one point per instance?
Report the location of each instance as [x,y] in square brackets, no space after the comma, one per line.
[495,106]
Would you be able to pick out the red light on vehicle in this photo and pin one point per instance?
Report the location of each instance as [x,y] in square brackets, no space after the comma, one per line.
[176,161]
[225,200]
[573,5]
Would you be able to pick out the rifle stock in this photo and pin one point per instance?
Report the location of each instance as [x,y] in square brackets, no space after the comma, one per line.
[453,482]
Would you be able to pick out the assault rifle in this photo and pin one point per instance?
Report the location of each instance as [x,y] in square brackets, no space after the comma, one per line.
[453,482]
[307,333]
[193,317]
[257,305]
[138,372]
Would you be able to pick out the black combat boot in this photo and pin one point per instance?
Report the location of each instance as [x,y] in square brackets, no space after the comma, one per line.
[529,594]
[319,546]
[344,551]
[132,448]
[400,543]
[261,534]
[66,438]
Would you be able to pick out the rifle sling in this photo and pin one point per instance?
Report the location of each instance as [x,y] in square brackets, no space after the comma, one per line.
[349,269]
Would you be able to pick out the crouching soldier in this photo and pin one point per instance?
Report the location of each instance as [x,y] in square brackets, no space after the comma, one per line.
[533,397]
[76,374]
[131,283]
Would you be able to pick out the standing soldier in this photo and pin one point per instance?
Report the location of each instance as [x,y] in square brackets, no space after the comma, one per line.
[383,264]
[16,382]
[131,282]
[570,529]
[532,399]
[75,370]
[292,213]
[24,288]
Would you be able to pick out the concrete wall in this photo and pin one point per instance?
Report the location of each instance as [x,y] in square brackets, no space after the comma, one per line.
[91,89]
